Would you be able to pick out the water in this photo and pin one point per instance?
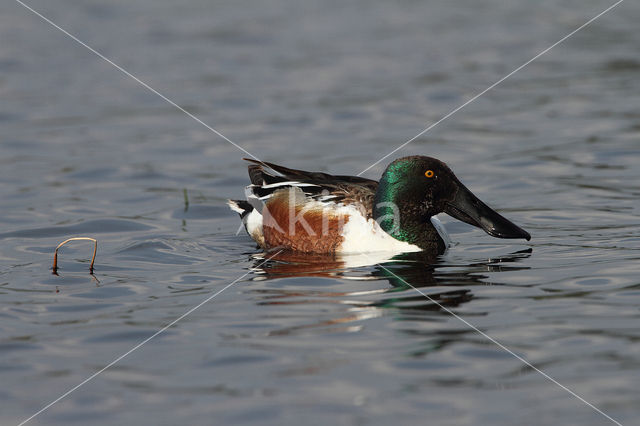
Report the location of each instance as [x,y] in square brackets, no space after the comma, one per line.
[87,151]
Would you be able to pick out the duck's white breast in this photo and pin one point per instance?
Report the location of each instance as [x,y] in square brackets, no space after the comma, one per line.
[363,235]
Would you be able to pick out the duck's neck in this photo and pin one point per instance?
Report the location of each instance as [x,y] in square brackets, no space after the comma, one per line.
[405,219]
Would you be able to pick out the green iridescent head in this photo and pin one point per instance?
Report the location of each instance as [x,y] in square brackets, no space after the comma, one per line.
[413,189]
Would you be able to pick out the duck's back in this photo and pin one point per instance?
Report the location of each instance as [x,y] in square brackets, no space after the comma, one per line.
[331,190]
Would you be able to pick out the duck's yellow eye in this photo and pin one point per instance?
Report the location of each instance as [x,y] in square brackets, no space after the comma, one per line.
[429,173]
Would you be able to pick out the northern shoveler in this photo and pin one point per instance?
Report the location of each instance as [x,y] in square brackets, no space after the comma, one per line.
[321,213]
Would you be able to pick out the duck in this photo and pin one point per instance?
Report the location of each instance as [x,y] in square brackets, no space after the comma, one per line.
[316,212]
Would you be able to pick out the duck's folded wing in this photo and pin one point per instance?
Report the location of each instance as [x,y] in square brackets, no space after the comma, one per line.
[347,190]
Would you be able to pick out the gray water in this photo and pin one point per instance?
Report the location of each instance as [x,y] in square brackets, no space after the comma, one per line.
[331,86]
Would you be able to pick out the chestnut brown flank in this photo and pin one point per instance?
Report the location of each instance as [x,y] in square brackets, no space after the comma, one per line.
[315,230]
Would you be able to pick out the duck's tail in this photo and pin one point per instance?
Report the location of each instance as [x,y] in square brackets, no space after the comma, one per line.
[251,219]
[242,207]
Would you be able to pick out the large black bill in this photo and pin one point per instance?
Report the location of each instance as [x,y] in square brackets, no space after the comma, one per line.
[468,208]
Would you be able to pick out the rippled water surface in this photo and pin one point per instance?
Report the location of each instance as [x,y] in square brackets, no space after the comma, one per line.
[87,151]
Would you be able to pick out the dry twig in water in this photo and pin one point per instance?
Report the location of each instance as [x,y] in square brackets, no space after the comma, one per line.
[93,258]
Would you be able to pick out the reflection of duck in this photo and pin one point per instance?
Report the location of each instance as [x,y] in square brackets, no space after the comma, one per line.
[404,272]
[320,213]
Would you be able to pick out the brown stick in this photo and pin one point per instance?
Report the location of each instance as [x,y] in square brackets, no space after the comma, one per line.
[95,249]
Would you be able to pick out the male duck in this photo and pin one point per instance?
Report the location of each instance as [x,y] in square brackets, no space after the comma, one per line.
[320,213]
